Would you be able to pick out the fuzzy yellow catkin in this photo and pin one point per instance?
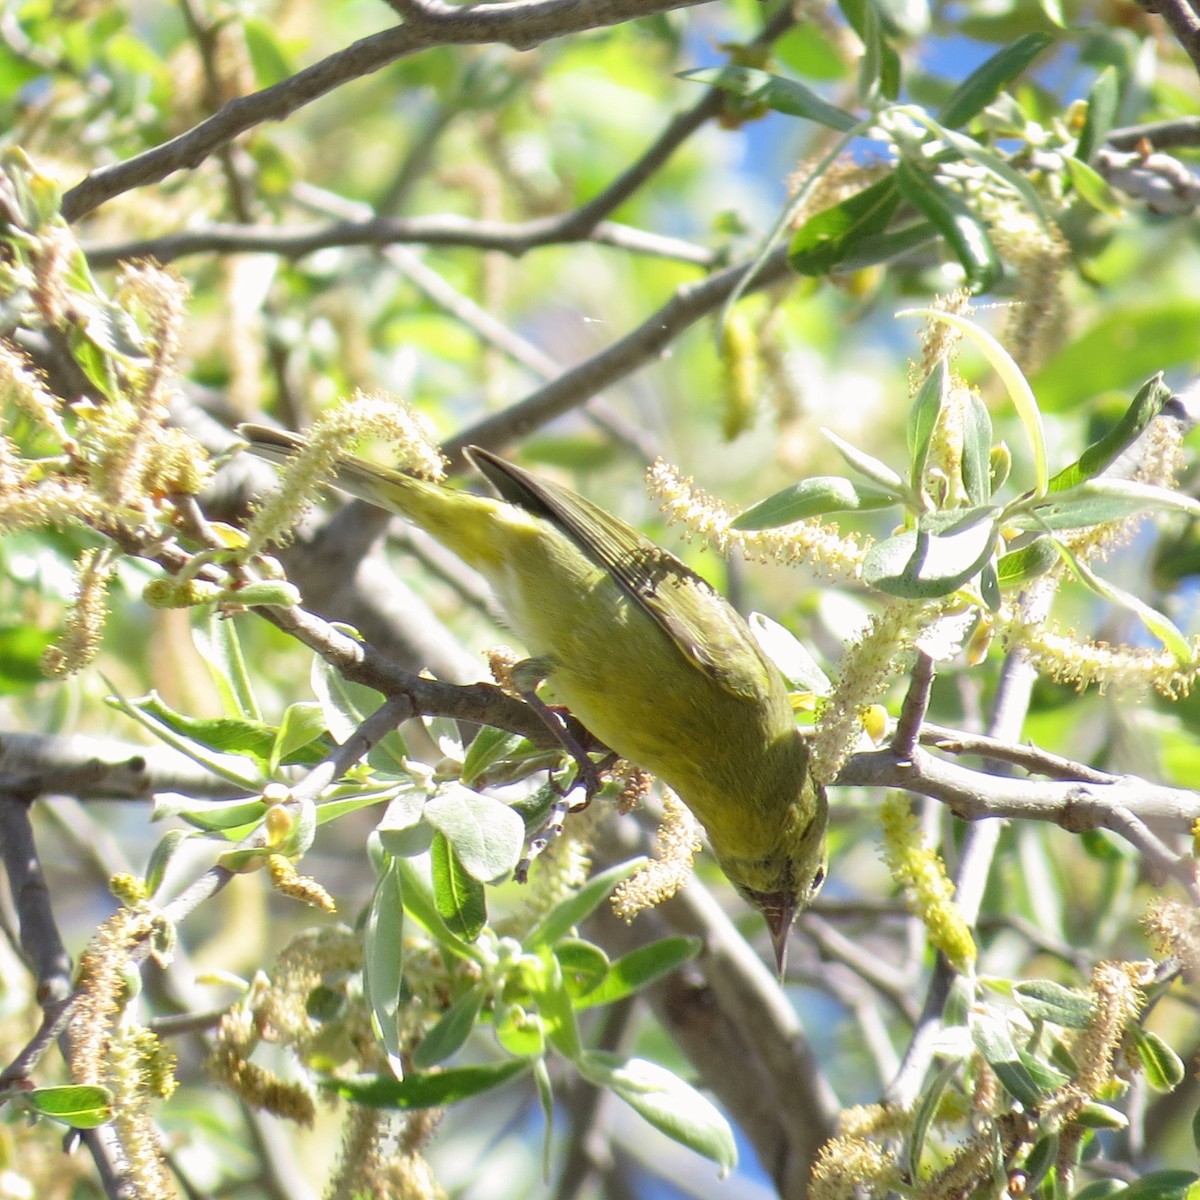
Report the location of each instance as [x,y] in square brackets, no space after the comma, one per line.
[929,890]
[676,846]
[741,375]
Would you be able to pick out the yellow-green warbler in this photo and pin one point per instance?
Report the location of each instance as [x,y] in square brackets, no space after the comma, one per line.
[654,661]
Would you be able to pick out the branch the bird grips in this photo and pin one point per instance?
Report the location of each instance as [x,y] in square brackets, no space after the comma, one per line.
[648,655]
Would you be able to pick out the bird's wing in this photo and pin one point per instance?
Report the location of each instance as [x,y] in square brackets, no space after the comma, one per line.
[694,615]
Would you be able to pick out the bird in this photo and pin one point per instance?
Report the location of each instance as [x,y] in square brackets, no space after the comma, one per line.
[648,655]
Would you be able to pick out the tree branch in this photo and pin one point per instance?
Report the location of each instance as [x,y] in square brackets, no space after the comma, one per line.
[1181,19]
[521,24]
[648,341]
[515,238]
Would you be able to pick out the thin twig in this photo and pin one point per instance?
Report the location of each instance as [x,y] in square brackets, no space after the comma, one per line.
[1183,22]
[1179,132]
[914,708]
[1030,758]
[521,24]
[642,345]
[296,241]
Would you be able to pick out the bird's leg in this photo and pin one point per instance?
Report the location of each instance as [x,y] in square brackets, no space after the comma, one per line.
[525,676]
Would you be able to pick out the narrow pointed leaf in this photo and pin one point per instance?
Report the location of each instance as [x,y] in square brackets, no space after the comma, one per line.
[775,92]
[561,919]
[824,241]
[1103,102]
[81,1106]
[1010,375]
[451,1031]
[814,497]
[879,473]
[383,960]
[435,1089]
[666,1102]
[1146,405]
[459,897]
[947,212]
[640,967]
[977,450]
[922,419]
[984,84]
[1023,566]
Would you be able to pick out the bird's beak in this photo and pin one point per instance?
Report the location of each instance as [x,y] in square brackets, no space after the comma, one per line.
[779,922]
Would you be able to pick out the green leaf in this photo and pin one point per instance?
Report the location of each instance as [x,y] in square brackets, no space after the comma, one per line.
[1010,375]
[879,67]
[1160,1185]
[459,897]
[161,856]
[814,498]
[1100,1189]
[994,1042]
[666,1102]
[917,565]
[210,815]
[555,1007]
[486,834]
[825,240]
[490,745]
[244,771]
[436,1089]
[1074,510]
[774,92]
[270,61]
[1163,628]
[418,901]
[977,449]
[876,248]
[1163,1068]
[1045,1000]
[303,723]
[1094,1115]
[923,1117]
[383,959]
[219,646]
[984,84]
[923,417]
[545,1090]
[81,1106]
[1039,1160]
[633,971]
[1091,186]
[1021,567]
[947,212]
[345,704]
[22,646]
[1103,102]
[1046,1077]
[879,473]
[451,1031]
[580,905]
[584,966]
[1146,405]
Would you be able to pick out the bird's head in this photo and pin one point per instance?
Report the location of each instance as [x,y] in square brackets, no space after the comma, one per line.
[784,882]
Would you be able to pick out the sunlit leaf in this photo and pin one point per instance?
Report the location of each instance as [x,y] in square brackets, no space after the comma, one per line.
[983,84]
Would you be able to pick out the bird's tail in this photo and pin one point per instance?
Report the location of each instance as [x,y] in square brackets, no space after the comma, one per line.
[464,523]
